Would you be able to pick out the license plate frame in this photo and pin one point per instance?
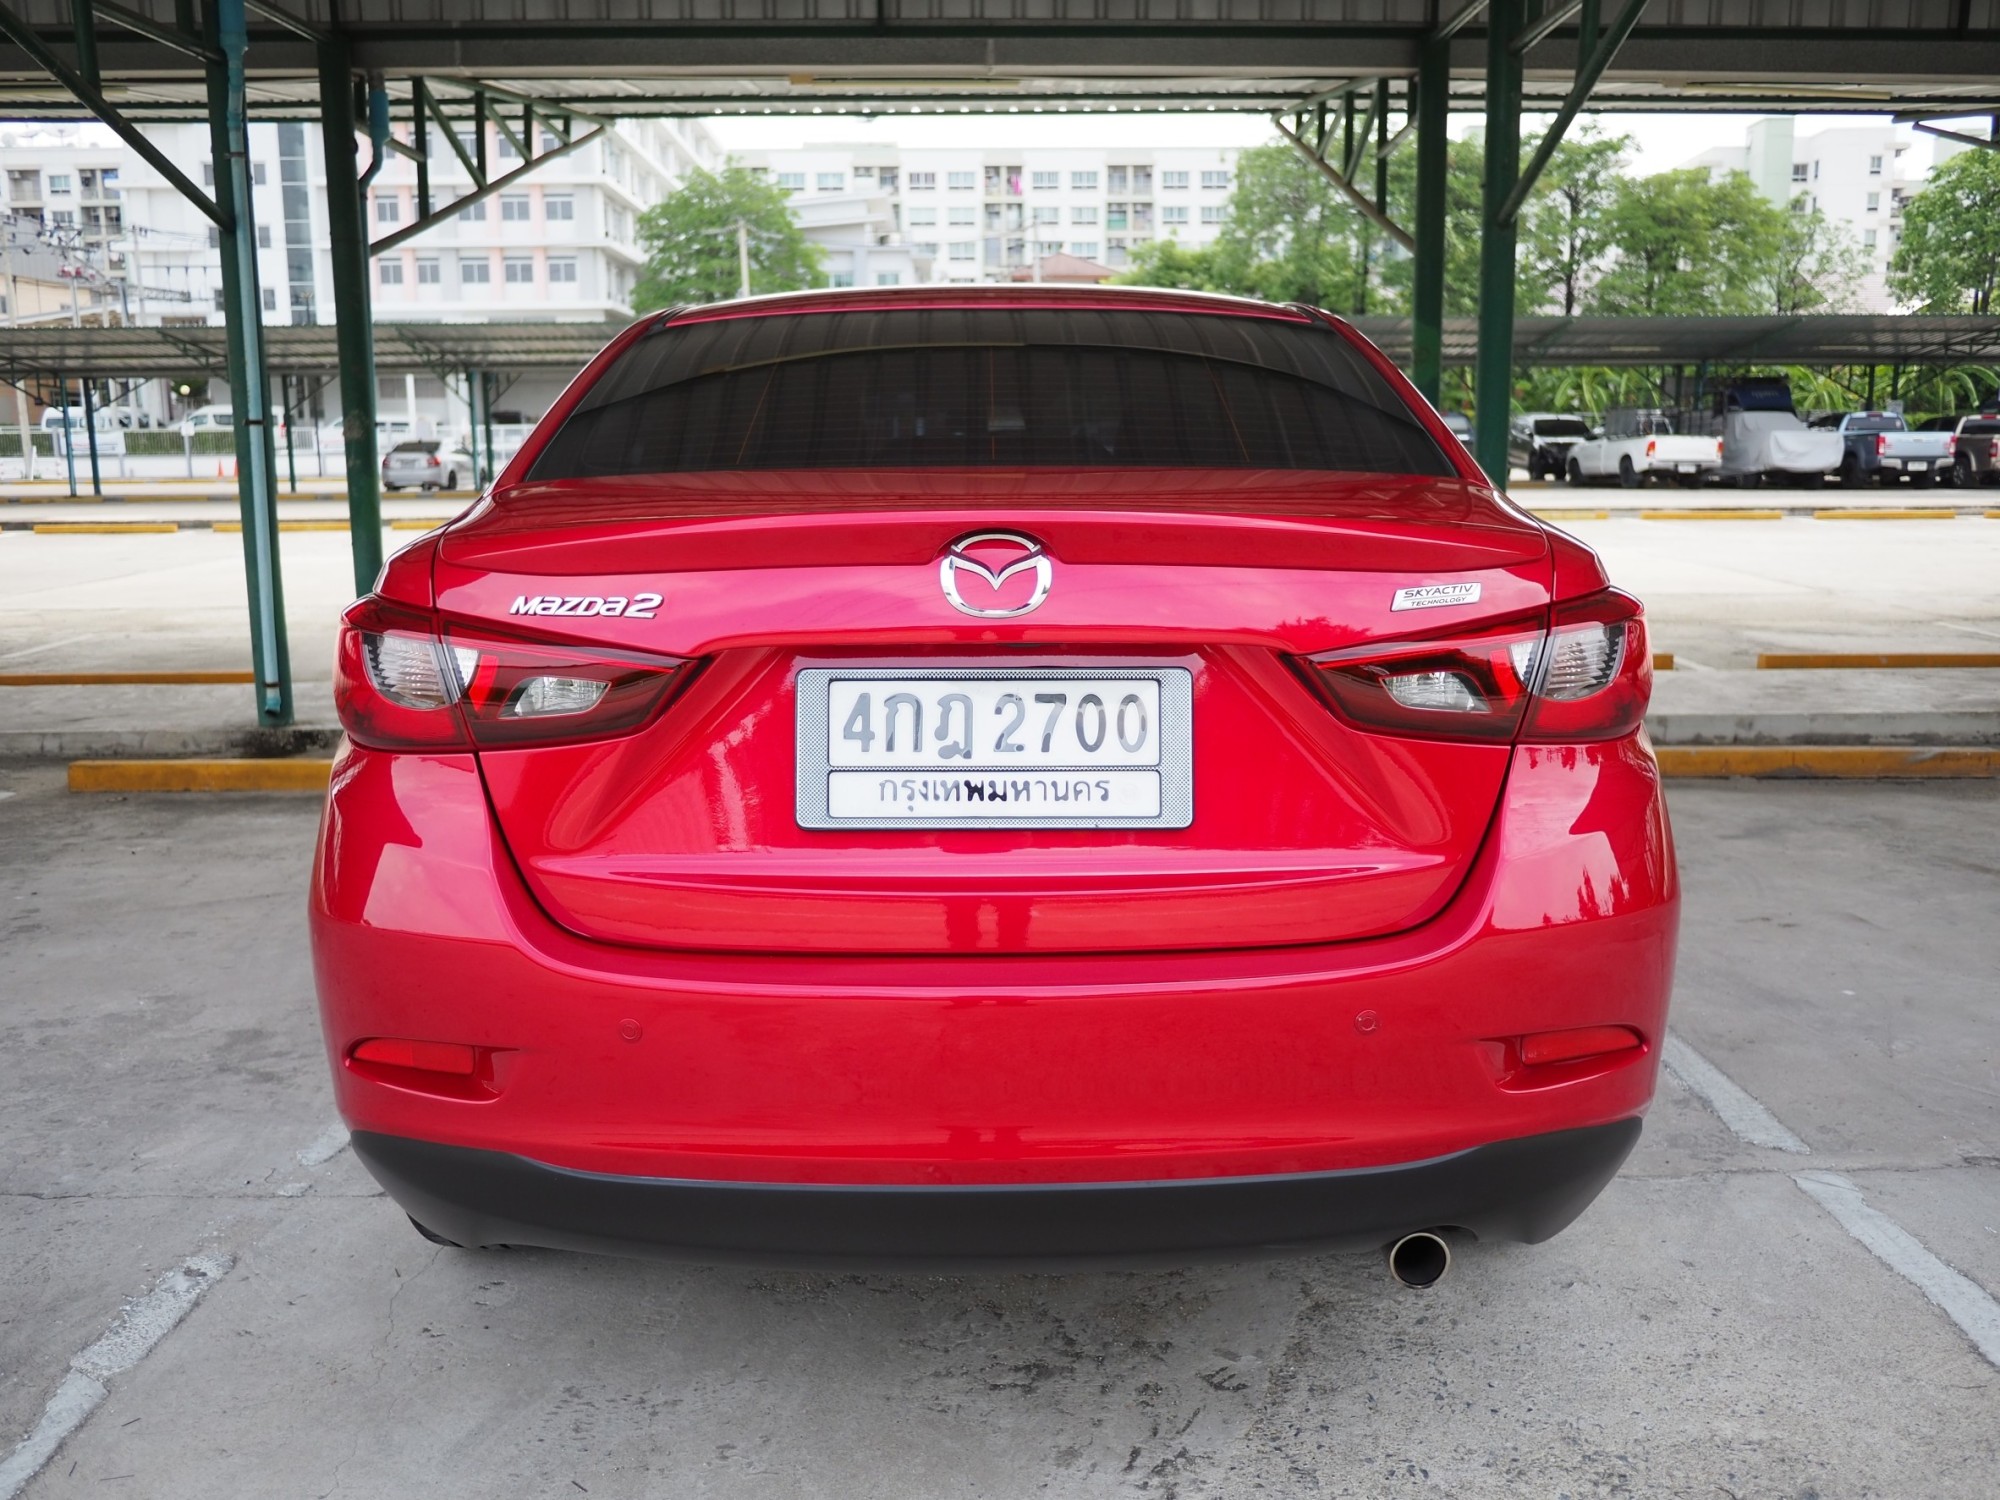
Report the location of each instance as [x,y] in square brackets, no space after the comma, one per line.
[816,790]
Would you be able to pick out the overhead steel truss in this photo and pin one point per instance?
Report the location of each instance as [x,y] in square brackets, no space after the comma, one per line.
[1348,82]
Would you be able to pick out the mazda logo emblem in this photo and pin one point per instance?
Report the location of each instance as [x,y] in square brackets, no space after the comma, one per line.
[994,558]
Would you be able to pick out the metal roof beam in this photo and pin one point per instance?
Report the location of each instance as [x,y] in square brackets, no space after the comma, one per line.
[484,190]
[1362,204]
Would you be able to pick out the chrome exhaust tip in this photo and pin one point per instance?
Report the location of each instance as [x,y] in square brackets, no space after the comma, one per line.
[1420,1259]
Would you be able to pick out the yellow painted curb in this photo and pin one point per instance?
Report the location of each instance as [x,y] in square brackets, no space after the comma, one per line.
[101,528]
[1663,661]
[418,523]
[286,526]
[1711,515]
[1813,762]
[1907,659]
[199,775]
[1993,515]
[98,679]
[1569,515]
[1885,515]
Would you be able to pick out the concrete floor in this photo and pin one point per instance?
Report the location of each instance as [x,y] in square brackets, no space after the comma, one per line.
[1706,1330]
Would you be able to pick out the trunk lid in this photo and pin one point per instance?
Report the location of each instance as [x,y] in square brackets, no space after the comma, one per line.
[688,833]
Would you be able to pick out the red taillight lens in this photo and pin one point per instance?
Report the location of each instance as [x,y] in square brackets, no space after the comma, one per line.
[434,462]
[426,1057]
[1652,447]
[1881,443]
[1588,676]
[1469,688]
[398,686]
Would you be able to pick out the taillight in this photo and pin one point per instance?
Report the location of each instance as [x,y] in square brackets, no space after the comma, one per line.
[1993,451]
[1950,444]
[1587,676]
[401,685]
[1652,447]
[1881,443]
[434,462]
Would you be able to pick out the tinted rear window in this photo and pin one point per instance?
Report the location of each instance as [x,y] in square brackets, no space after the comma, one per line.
[990,387]
[1562,427]
[1874,424]
[1981,428]
[418,448]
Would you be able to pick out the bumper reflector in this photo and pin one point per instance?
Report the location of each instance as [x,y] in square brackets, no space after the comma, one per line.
[425,1057]
[1541,1048]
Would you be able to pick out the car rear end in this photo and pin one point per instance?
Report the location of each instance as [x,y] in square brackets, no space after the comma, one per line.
[1682,456]
[417,462]
[996,775]
[1976,450]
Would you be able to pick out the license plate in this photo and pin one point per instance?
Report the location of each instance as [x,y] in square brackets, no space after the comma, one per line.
[1012,747]
[1918,464]
[1687,468]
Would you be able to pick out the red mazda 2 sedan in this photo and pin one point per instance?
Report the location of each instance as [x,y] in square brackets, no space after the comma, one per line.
[975,774]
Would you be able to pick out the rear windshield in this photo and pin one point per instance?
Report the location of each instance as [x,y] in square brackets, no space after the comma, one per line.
[1874,424]
[1574,427]
[1981,428]
[990,387]
[415,448]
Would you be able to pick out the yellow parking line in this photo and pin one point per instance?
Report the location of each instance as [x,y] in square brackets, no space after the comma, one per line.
[1885,515]
[286,526]
[1711,515]
[1810,762]
[99,679]
[1569,515]
[418,523]
[1796,661]
[308,775]
[101,528]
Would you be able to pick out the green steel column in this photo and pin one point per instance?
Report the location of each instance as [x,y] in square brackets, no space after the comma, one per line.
[355,338]
[256,456]
[1493,377]
[1427,294]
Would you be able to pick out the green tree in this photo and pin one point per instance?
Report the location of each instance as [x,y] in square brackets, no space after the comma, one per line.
[1565,225]
[1290,235]
[1949,258]
[1170,263]
[1813,265]
[690,241]
[1689,245]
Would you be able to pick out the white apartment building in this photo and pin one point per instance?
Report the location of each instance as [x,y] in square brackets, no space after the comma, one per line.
[60,197]
[1859,176]
[982,215]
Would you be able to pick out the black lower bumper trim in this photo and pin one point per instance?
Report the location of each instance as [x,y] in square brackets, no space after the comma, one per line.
[1526,1189]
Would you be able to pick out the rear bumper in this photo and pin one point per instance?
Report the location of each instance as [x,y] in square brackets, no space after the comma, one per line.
[1524,1190]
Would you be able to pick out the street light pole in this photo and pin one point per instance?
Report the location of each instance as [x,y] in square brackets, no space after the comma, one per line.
[743,257]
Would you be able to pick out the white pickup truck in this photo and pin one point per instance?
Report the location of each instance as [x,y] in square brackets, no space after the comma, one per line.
[1638,444]
[1881,447]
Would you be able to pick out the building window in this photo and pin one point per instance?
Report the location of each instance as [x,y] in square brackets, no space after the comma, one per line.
[830,182]
[886,179]
[257,173]
[1874,203]
[208,180]
[263,236]
[388,208]
[270,299]
[1117,215]
[1045,182]
[864,174]
[962,216]
[562,270]
[840,278]
[923,216]
[964,249]
[792,182]
[1116,179]
[1874,166]
[504,147]
[474,272]
[1174,213]
[514,208]
[66,217]
[558,208]
[1215,179]
[1048,215]
[550,140]
[1799,171]
[519,270]
[1815,171]
[1083,182]
[428,273]
[1212,213]
[888,278]
[1173,180]
[959,182]
[218,301]
[1087,249]
[59,182]
[1868,239]
[391,272]
[926,248]
[923,182]
[474,212]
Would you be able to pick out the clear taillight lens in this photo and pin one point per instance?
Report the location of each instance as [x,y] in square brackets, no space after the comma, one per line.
[400,685]
[1587,676]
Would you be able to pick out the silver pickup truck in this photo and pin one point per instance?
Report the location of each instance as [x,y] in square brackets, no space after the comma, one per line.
[1882,448]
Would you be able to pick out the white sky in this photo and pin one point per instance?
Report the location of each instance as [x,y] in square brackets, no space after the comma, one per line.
[1664,141]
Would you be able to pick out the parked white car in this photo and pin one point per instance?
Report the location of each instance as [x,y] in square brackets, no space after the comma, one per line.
[1764,441]
[1639,443]
[208,419]
[426,463]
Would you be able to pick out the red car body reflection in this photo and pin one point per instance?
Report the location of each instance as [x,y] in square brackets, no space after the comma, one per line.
[593,976]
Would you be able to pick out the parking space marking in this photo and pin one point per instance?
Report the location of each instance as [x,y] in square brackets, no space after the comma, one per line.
[328,1144]
[129,1339]
[1954,1294]
[1732,1104]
